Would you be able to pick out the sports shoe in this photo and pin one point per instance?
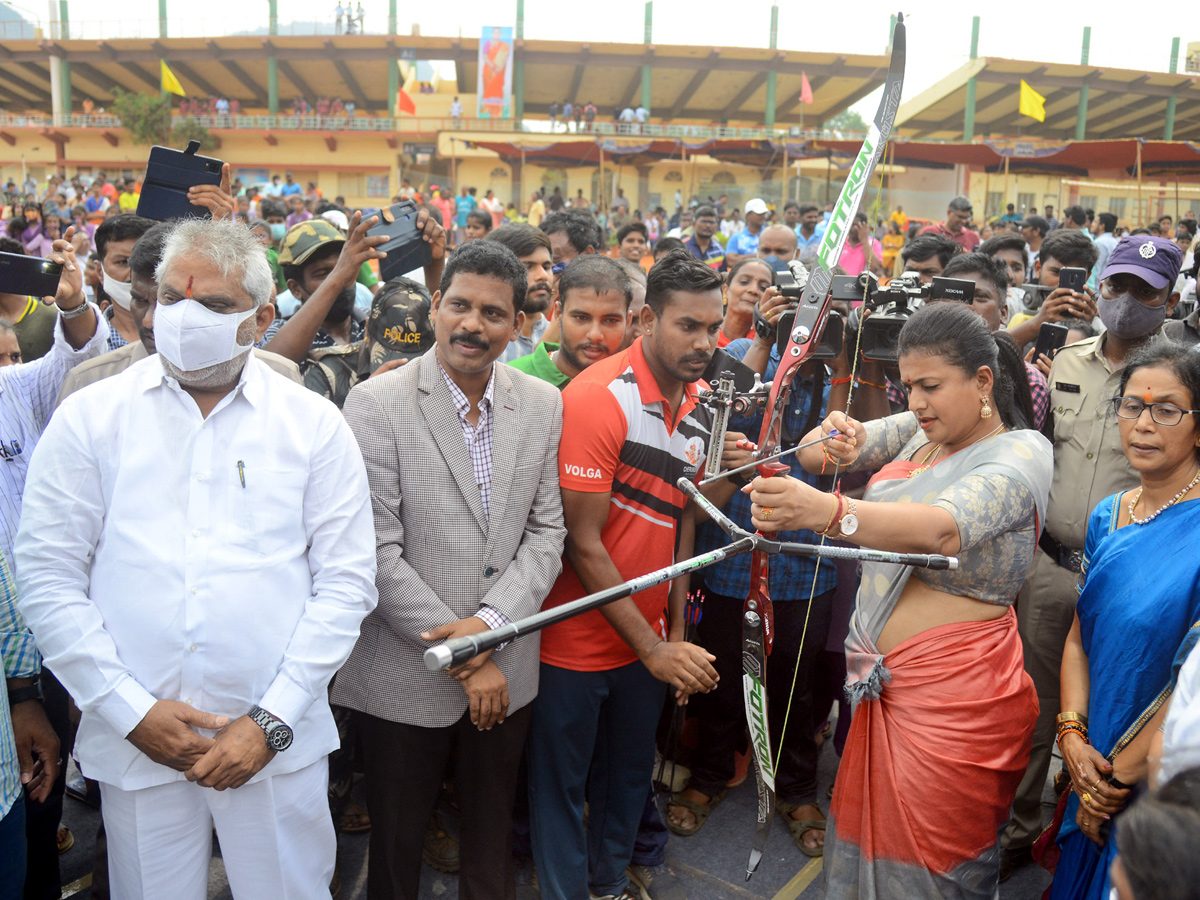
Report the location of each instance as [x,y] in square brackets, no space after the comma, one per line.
[630,893]
[656,883]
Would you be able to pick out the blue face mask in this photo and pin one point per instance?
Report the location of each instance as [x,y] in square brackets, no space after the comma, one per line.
[278,230]
[777,263]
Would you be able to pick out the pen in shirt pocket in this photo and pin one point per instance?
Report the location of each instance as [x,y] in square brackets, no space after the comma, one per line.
[242,473]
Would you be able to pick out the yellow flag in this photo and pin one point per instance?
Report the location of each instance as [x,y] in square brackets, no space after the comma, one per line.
[1033,104]
[171,84]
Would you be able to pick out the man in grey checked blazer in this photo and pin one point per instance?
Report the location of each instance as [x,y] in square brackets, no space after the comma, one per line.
[462,459]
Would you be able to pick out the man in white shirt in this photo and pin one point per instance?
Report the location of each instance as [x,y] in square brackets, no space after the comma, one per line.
[28,391]
[198,631]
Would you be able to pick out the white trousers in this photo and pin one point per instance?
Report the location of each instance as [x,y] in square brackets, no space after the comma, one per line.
[276,837]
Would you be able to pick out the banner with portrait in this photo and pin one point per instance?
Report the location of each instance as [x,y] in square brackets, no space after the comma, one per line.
[495,73]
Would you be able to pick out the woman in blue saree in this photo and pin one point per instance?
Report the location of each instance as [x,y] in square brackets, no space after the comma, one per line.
[1139,596]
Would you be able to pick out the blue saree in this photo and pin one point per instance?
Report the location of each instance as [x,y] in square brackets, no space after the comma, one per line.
[1138,598]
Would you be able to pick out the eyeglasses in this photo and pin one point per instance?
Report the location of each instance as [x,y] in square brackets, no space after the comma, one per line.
[1162,413]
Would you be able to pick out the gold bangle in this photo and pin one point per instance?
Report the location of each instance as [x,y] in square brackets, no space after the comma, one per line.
[1071,717]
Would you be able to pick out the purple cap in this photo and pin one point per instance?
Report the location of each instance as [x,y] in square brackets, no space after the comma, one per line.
[1155,260]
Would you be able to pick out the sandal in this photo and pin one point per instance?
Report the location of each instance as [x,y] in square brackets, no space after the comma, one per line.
[354,819]
[700,810]
[800,827]
[64,839]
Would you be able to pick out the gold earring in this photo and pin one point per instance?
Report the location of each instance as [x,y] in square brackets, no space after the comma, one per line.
[986,412]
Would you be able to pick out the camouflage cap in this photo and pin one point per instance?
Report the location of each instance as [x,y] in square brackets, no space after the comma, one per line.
[399,326]
[303,240]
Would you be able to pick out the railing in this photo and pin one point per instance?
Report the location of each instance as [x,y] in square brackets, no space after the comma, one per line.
[119,28]
[425,125]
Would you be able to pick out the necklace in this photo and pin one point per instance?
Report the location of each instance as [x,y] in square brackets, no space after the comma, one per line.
[925,463]
[1138,496]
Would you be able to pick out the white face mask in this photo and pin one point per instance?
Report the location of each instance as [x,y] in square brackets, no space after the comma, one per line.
[117,291]
[191,336]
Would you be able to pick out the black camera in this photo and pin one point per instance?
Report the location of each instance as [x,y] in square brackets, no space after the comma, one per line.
[791,283]
[892,306]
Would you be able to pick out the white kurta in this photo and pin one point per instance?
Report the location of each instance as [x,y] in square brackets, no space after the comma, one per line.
[224,562]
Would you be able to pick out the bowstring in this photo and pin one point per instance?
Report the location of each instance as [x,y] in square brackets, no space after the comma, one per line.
[812,593]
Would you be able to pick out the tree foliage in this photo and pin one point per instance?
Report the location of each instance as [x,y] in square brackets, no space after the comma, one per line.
[147,118]
[189,129]
[848,120]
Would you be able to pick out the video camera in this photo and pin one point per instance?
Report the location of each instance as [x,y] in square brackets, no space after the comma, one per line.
[892,306]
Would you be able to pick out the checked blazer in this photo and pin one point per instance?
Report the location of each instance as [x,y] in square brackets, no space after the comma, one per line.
[439,558]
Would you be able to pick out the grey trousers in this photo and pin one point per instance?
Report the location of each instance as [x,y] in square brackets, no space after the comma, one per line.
[1045,611]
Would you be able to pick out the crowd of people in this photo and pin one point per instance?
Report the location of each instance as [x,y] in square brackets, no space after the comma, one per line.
[347,20]
[582,116]
[248,484]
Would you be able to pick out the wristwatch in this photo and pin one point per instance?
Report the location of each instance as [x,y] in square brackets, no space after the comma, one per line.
[849,523]
[279,735]
[74,310]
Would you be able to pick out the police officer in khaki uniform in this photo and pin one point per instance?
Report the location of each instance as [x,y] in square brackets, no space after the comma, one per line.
[1134,300]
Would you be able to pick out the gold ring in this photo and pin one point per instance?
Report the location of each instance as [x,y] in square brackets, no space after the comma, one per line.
[767,512]
[1085,797]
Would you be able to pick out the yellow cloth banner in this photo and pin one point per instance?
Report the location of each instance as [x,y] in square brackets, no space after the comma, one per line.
[171,84]
[1033,104]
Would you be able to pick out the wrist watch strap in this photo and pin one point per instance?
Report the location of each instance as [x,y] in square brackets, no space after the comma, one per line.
[24,694]
[764,329]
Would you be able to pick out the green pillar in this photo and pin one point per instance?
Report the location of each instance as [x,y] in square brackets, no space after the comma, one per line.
[769,112]
[272,66]
[162,33]
[65,71]
[393,65]
[969,108]
[1169,124]
[1084,89]
[646,68]
[519,67]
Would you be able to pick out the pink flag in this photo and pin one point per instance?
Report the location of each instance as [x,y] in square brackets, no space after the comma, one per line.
[805,89]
